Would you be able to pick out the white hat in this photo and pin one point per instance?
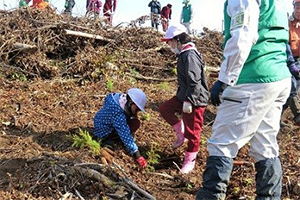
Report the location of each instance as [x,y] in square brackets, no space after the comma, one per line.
[138,97]
[173,31]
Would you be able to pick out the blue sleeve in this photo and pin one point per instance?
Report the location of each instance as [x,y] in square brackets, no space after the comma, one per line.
[290,58]
[123,130]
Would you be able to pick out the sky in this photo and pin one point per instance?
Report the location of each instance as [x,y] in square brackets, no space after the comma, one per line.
[207,13]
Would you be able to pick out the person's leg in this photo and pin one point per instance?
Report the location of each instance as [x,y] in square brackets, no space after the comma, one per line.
[294,101]
[164,24]
[268,179]
[134,124]
[168,111]
[188,27]
[240,114]
[215,178]
[265,150]
[152,20]
[193,125]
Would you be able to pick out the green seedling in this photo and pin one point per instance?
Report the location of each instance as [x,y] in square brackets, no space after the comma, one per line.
[203,140]
[109,85]
[16,76]
[153,157]
[164,86]
[134,71]
[248,181]
[174,71]
[84,140]
[146,117]
[236,190]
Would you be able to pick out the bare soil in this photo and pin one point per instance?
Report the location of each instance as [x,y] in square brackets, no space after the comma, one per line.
[49,92]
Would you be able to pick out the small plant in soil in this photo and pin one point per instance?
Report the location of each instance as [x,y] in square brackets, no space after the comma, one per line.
[146,117]
[153,157]
[109,85]
[164,86]
[85,140]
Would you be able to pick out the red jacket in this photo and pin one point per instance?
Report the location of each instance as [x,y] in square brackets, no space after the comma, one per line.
[110,5]
[93,5]
[166,12]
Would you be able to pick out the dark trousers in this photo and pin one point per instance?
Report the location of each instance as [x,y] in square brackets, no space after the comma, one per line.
[193,122]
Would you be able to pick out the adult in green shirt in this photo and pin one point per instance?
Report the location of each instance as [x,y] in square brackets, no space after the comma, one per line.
[255,82]
[187,15]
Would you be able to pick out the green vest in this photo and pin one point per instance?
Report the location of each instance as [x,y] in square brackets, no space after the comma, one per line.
[186,13]
[22,3]
[267,59]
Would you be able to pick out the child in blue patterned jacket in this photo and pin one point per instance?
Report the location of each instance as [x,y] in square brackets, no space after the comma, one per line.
[119,114]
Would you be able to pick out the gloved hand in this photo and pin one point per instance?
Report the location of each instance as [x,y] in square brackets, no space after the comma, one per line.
[215,92]
[187,107]
[295,71]
[142,162]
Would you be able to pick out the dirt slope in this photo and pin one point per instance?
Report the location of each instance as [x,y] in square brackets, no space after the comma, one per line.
[53,88]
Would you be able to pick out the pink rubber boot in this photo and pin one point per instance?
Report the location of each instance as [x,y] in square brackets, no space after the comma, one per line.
[179,129]
[189,162]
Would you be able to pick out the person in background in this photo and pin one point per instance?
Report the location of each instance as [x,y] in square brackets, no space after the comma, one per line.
[293,100]
[109,10]
[191,97]
[93,7]
[155,9]
[39,4]
[294,41]
[22,3]
[251,90]
[69,5]
[187,15]
[118,117]
[165,14]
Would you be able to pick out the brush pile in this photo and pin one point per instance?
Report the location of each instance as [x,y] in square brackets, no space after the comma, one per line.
[54,74]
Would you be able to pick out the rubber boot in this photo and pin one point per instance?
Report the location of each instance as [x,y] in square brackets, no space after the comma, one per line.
[295,108]
[179,129]
[268,179]
[215,178]
[189,162]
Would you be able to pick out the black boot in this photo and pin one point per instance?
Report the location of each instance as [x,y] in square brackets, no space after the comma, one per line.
[295,108]
[268,179]
[215,178]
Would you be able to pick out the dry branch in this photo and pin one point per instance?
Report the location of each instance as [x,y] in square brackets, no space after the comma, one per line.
[24,47]
[93,174]
[87,35]
[152,78]
[133,185]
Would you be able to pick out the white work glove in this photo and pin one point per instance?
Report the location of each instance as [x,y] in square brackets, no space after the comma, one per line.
[187,107]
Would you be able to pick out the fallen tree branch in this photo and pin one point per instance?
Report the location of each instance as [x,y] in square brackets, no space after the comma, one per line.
[161,174]
[79,195]
[86,35]
[157,49]
[148,66]
[94,166]
[133,185]
[93,174]
[143,192]
[151,78]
